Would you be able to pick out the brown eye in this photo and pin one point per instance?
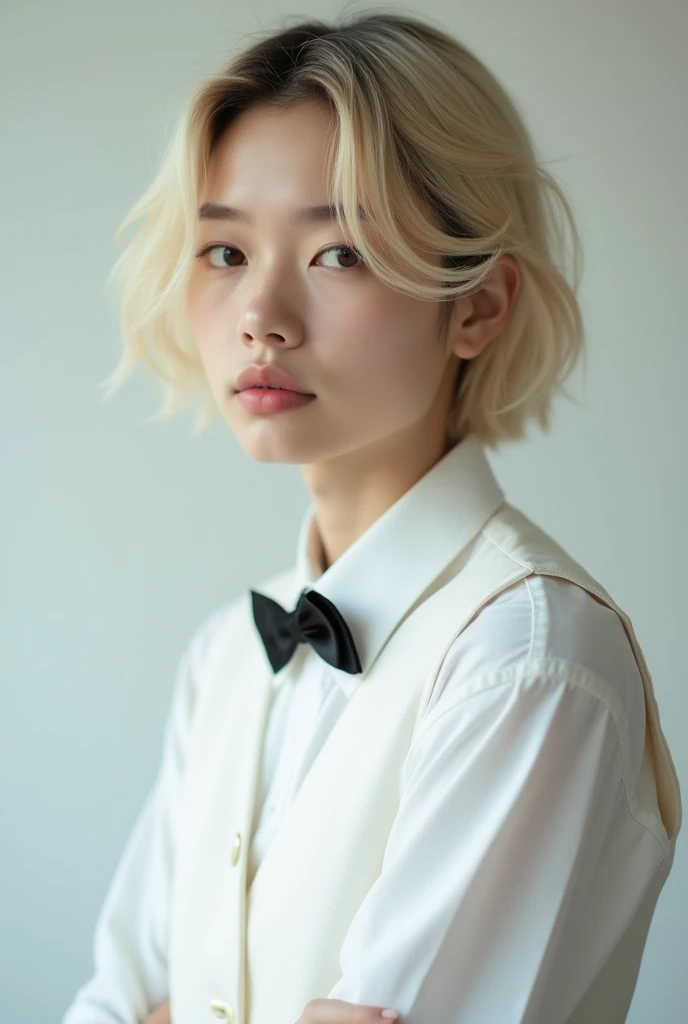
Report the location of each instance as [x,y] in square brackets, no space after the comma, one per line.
[222,258]
[348,253]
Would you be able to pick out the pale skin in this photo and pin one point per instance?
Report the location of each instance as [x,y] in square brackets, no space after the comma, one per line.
[269,292]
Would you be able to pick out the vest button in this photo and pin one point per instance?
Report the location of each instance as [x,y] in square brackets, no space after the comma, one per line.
[236,848]
[222,1010]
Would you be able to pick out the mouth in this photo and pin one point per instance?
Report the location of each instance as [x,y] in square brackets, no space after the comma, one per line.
[262,401]
[272,387]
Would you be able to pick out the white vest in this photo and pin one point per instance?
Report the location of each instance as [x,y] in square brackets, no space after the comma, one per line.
[258,957]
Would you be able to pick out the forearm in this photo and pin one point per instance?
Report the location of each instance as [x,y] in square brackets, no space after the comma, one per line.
[161,1015]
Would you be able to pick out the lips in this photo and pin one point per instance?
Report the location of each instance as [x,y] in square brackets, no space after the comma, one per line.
[267,401]
[271,387]
[268,376]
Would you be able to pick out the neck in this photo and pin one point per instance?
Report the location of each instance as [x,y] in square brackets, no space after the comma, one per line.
[350,492]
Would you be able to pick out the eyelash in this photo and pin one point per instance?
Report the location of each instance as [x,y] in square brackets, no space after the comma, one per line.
[342,248]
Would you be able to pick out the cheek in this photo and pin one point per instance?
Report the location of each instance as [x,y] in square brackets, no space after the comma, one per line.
[203,320]
[195,311]
[391,341]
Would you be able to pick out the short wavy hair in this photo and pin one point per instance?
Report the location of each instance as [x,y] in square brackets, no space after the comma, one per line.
[416,115]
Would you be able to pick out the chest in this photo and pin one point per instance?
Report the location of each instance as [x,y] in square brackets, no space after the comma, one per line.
[306,705]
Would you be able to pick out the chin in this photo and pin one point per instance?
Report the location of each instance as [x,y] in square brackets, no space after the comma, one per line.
[277,449]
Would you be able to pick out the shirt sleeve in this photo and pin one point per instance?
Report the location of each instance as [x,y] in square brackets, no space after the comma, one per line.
[130,975]
[507,800]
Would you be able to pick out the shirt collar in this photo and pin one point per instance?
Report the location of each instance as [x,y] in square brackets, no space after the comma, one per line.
[377,580]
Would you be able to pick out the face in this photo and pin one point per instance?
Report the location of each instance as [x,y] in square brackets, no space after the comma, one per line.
[292,294]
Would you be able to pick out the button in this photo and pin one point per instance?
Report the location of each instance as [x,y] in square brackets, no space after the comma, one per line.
[236,848]
[222,1010]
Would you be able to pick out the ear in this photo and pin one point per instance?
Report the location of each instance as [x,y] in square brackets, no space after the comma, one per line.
[481,316]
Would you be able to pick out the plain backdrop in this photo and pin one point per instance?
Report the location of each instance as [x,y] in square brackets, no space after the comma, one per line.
[118,537]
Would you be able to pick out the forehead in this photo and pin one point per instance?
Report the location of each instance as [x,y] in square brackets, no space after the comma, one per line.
[272,155]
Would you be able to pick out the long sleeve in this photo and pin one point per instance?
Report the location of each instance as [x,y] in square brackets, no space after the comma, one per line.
[496,898]
[130,942]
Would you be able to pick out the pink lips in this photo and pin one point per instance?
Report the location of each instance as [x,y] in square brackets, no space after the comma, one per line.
[269,400]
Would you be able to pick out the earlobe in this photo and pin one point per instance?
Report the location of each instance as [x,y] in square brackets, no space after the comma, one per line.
[471,334]
[471,343]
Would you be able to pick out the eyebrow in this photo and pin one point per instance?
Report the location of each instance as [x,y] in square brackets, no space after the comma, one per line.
[304,215]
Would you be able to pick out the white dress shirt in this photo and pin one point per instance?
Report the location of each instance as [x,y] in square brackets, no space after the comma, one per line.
[514,840]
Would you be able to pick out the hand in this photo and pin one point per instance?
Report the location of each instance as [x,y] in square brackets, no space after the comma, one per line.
[336,1011]
[161,1015]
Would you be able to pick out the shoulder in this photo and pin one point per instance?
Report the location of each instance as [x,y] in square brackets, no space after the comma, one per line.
[548,626]
[193,663]
[207,634]
[221,627]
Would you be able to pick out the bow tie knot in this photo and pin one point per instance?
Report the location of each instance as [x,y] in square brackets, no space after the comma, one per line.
[315,620]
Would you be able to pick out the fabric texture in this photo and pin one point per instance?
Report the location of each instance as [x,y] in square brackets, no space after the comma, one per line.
[491,800]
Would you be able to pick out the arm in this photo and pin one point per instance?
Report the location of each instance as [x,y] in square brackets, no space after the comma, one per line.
[510,793]
[161,1015]
[130,943]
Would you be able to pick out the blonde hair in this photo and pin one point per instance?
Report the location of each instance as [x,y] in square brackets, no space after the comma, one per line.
[417,116]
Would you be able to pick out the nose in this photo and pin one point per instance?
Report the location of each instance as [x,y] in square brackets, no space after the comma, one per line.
[271,338]
[270,330]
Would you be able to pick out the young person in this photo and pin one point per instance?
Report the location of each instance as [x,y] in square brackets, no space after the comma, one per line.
[422,768]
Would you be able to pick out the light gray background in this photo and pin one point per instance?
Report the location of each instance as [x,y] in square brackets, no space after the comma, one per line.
[119,537]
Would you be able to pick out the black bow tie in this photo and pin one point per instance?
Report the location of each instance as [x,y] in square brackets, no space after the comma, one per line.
[315,620]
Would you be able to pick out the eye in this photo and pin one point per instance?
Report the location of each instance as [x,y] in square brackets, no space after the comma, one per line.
[208,250]
[350,253]
[220,260]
